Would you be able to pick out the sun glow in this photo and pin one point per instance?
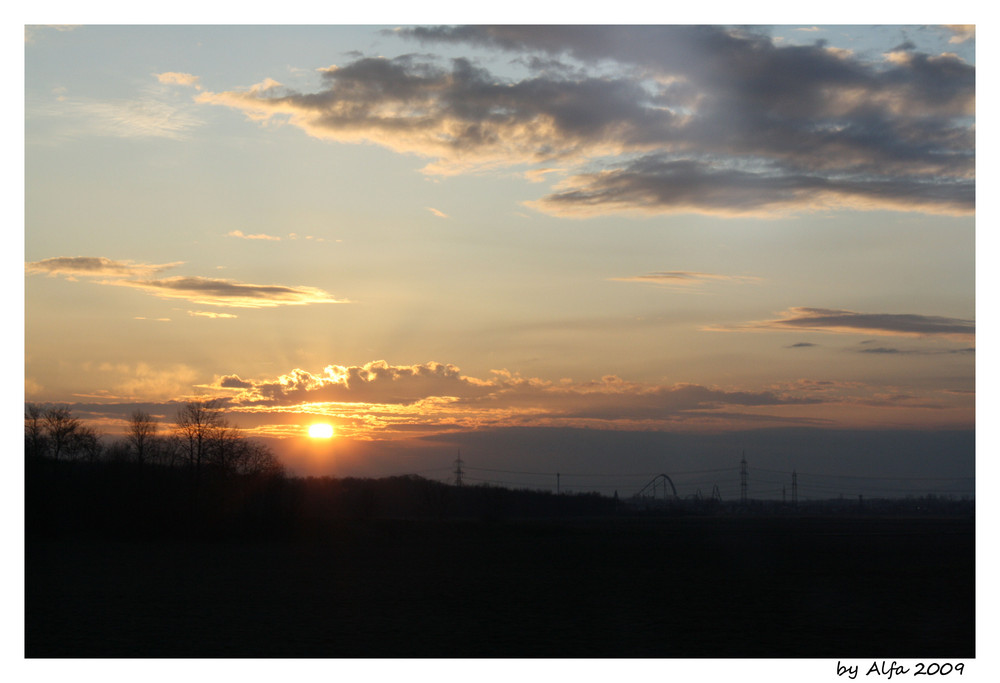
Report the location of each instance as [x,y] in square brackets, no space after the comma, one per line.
[320,430]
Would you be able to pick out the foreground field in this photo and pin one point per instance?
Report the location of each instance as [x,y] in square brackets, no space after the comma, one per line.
[838,587]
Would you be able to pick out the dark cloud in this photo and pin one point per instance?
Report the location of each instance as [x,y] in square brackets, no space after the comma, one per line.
[217,292]
[737,65]
[805,108]
[375,382]
[199,290]
[801,345]
[882,349]
[462,115]
[234,382]
[892,350]
[834,320]
[660,184]
[694,118]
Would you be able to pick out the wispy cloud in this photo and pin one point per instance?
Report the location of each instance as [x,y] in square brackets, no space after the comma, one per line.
[211,314]
[961,32]
[439,214]
[198,290]
[881,350]
[892,350]
[259,236]
[153,114]
[852,322]
[694,118]
[96,266]
[144,381]
[684,278]
[176,78]
[32,31]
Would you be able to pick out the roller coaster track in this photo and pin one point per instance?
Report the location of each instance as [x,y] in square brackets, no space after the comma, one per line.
[658,483]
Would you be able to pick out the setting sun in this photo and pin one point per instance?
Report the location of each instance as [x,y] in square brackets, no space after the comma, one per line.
[320,430]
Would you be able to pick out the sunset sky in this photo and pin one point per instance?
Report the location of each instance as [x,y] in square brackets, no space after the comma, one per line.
[554,248]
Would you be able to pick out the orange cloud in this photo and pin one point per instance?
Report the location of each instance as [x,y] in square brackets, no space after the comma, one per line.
[379,398]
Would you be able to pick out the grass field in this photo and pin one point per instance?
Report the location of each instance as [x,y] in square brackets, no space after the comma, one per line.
[772,587]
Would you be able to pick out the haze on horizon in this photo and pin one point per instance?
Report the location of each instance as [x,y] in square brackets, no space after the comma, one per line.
[536,237]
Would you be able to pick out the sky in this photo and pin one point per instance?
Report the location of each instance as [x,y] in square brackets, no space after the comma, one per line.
[612,251]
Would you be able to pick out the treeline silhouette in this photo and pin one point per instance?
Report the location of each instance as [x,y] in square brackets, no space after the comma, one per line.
[203,478]
[201,439]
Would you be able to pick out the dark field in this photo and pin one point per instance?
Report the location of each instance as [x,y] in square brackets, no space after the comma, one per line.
[690,587]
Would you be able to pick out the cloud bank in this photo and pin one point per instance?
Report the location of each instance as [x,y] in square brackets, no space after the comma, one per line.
[380,400]
[660,119]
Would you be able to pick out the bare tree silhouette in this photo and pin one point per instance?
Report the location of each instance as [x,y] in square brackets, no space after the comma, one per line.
[211,441]
[198,424]
[34,431]
[53,431]
[84,442]
[141,435]
[59,425]
[235,454]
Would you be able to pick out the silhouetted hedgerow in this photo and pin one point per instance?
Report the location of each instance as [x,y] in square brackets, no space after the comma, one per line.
[132,500]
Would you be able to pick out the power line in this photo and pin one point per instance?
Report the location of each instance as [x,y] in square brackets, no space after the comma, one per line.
[768,486]
[862,476]
[553,474]
[600,474]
